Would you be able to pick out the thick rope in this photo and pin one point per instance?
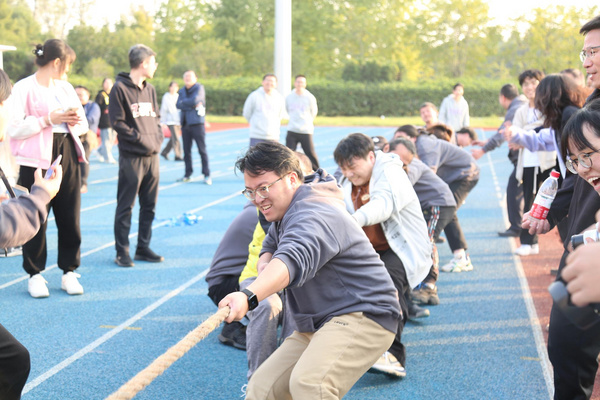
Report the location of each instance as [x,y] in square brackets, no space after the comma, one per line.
[160,365]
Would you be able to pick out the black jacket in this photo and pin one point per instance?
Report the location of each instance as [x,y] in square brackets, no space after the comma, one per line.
[102,100]
[134,115]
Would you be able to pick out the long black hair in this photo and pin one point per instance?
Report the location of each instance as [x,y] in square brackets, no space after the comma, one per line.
[555,93]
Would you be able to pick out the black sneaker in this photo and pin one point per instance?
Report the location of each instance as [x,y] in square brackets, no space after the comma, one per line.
[147,255]
[509,233]
[234,334]
[440,239]
[123,260]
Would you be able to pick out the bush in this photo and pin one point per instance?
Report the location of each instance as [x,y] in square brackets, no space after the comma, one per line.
[226,96]
[336,98]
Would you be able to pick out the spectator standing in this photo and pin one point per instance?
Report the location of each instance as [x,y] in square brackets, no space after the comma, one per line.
[133,114]
[302,109]
[47,120]
[92,114]
[264,108]
[511,101]
[169,116]
[532,167]
[454,110]
[192,103]
[107,134]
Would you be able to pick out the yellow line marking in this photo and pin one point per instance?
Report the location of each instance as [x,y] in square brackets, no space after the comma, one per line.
[530,358]
[131,328]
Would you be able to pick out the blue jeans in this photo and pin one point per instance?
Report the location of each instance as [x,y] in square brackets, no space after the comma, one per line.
[107,136]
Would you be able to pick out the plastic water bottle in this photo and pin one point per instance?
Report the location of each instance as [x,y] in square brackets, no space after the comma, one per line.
[545,196]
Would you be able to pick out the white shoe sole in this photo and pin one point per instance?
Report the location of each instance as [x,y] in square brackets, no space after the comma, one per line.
[388,371]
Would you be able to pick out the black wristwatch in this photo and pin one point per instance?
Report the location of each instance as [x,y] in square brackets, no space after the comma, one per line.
[252,299]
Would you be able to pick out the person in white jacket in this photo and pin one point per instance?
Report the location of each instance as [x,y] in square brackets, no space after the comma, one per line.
[454,110]
[46,121]
[264,108]
[380,197]
[169,116]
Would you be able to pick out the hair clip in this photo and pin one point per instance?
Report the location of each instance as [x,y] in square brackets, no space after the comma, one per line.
[39,52]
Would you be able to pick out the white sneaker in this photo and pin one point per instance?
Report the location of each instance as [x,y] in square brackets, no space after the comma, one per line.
[388,364]
[527,249]
[70,284]
[37,286]
[458,265]
[207,180]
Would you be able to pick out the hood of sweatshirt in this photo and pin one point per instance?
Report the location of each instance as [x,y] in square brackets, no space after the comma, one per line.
[319,184]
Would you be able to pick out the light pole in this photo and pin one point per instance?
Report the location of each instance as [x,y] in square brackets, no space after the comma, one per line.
[283,45]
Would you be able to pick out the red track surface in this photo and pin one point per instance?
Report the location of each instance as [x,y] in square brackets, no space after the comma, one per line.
[214,127]
[537,269]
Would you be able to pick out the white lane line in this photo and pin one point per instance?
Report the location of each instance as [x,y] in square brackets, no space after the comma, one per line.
[533,317]
[107,336]
[172,185]
[132,235]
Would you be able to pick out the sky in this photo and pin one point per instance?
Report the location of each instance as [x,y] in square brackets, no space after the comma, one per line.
[500,10]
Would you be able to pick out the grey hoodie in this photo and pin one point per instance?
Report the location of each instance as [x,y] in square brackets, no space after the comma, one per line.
[333,267]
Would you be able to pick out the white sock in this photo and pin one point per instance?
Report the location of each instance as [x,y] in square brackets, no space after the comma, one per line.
[460,254]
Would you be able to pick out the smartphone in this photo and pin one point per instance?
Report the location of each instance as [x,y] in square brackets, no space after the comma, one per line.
[19,190]
[74,109]
[50,170]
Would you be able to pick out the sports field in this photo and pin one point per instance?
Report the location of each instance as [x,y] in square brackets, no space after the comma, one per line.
[484,341]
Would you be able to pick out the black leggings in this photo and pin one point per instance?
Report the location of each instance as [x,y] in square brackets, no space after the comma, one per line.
[395,268]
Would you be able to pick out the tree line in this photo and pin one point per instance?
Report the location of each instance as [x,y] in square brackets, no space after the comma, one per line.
[387,40]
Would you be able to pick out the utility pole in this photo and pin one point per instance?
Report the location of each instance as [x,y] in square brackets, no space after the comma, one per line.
[283,45]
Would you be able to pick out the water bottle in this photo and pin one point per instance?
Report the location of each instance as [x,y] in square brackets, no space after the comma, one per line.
[545,196]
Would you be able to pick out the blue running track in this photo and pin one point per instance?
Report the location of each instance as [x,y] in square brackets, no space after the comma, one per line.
[482,342]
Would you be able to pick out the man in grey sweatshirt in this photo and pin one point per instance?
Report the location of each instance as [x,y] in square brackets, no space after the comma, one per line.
[338,291]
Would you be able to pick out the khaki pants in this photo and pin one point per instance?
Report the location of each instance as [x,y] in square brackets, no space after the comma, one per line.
[321,365]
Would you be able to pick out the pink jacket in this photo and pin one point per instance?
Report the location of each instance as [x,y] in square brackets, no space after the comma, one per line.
[31,137]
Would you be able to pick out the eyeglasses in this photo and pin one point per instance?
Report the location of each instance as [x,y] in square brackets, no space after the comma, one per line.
[584,159]
[262,191]
[591,52]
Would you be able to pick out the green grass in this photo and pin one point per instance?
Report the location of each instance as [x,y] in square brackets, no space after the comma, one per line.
[477,122]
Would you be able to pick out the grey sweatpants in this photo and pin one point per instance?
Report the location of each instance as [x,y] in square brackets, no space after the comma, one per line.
[261,332]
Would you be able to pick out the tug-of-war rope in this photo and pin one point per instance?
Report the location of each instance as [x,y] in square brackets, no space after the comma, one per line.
[160,365]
